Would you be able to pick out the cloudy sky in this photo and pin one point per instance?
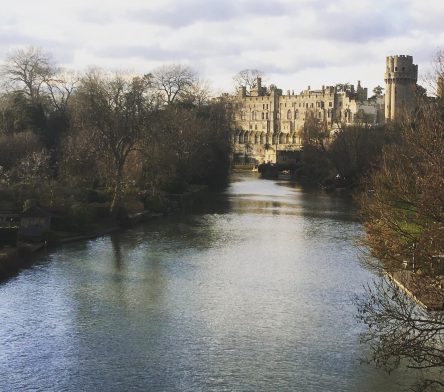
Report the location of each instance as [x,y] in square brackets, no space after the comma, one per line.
[295,42]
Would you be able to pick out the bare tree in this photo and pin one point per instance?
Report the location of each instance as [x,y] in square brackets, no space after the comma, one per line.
[247,78]
[114,109]
[403,215]
[398,331]
[198,93]
[404,222]
[28,70]
[60,87]
[173,82]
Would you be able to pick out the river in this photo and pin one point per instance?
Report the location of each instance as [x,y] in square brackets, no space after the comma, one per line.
[252,292]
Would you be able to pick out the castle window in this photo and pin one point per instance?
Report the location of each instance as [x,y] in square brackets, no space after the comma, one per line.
[263,115]
[254,115]
[330,104]
[243,115]
[266,115]
[289,116]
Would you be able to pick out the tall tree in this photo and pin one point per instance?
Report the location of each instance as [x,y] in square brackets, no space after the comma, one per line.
[114,109]
[173,82]
[378,90]
[404,222]
[28,70]
[248,78]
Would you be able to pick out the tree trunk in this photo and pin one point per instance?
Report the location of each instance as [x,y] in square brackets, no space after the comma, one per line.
[117,193]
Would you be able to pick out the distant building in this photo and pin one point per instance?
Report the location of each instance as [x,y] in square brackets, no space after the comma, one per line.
[267,120]
[401,76]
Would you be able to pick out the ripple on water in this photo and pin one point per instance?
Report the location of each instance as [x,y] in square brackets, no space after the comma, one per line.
[254,294]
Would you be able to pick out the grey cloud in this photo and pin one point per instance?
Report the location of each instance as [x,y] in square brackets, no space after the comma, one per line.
[361,27]
[95,16]
[145,52]
[187,12]
[61,52]
[198,49]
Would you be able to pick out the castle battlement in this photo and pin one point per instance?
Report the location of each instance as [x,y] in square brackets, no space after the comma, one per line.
[400,85]
[268,120]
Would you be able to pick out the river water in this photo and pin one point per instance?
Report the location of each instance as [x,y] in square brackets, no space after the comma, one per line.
[251,293]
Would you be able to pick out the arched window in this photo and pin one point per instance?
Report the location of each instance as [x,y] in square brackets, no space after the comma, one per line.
[254,115]
[243,115]
[289,115]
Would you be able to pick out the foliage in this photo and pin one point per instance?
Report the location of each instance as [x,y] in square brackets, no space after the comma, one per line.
[404,221]
[404,212]
[355,150]
[115,111]
[377,91]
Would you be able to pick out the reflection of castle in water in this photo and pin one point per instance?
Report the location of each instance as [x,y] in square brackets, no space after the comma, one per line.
[268,121]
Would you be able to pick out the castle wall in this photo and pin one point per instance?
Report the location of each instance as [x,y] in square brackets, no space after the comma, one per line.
[268,121]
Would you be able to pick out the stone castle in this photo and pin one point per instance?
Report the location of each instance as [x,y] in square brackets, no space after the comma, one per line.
[267,121]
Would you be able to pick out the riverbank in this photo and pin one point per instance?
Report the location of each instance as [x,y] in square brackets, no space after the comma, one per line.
[251,294]
[12,259]
[425,291]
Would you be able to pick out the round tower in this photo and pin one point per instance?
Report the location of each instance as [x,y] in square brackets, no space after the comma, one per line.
[401,76]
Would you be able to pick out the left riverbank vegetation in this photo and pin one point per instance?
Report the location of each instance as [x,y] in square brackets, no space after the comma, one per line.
[91,148]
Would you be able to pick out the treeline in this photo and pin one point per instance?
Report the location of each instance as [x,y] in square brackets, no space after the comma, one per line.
[343,157]
[69,138]
[397,174]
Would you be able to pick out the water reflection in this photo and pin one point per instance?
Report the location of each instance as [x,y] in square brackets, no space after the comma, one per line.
[249,292]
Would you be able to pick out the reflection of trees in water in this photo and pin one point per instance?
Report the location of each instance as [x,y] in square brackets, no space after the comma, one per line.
[117,251]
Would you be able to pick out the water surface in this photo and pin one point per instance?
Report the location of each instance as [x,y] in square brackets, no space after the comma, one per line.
[251,293]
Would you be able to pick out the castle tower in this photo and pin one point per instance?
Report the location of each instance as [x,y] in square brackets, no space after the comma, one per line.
[400,86]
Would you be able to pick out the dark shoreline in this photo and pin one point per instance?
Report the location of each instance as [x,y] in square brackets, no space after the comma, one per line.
[12,260]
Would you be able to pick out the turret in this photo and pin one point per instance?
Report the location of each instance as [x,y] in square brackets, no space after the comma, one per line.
[400,86]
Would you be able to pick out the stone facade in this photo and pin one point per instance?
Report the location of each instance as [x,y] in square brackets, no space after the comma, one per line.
[401,76]
[268,121]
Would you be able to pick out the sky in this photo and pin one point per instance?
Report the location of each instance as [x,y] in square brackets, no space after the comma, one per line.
[296,43]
